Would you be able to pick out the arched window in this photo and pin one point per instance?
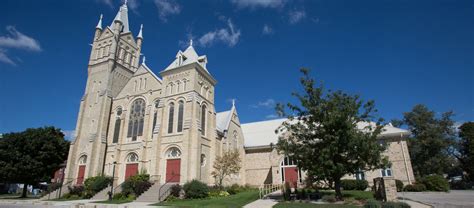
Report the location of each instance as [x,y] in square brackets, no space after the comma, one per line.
[155,116]
[170,118]
[203,160]
[135,124]
[180,115]
[236,139]
[132,158]
[173,153]
[83,160]
[203,120]
[117,125]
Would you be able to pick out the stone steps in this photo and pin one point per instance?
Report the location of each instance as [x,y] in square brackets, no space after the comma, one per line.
[55,194]
[151,195]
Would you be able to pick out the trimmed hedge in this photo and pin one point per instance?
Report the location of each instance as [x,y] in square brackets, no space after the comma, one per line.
[435,183]
[196,189]
[417,187]
[350,184]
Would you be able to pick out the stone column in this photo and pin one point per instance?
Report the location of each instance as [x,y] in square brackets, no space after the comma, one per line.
[385,189]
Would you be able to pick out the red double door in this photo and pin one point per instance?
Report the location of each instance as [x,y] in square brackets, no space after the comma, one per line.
[131,170]
[173,168]
[291,176]
[80,174]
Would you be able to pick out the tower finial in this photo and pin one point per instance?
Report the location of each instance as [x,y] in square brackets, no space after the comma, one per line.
[233,102]
[140,35]
[143,60]
[99,24]
[191,42]
[125,2]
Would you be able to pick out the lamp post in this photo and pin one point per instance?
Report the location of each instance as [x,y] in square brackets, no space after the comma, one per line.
[111,192]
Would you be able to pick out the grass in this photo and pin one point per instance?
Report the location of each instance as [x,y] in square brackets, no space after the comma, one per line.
[351,194]
[307,205]
[237,200]
[114,201]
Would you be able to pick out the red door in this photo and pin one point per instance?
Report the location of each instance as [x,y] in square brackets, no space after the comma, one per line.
[131,170]
[291,176]
[173,168]
[80,174]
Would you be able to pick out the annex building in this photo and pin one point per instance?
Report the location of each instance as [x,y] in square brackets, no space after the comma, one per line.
[131,120]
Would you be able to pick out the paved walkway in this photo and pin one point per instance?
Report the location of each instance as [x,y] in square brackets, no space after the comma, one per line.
[455,198]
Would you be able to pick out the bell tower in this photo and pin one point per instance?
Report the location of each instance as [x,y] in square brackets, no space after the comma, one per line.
[113,60]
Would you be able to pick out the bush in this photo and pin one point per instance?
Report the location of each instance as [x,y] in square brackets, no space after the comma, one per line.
[329,198]
[415,187]
[95,184]
[76,190]
[350,184]
[395,205]
[435,183]
[136,185]
[196,189]
[379,204]
[461,185]
[372,204]
[175,190]
[234,189]
[399,184]
[286,191]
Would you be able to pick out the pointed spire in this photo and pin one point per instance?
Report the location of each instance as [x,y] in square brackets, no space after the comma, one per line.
[99,24]
[233,103]
[143,60]
[191,42]
[140,35]
[122,16]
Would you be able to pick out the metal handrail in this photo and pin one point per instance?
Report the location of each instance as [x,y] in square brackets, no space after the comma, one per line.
[266,189]
[166,182]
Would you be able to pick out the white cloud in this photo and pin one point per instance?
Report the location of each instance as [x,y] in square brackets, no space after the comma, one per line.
[229,35]
[132,4]
[259,3]
[16,40]
[268,103]
[267,30]
[296,16]
[167,8]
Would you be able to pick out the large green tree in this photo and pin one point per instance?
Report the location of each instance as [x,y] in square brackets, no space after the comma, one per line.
[466,149]
[32,156]
[432,140]
[323,133]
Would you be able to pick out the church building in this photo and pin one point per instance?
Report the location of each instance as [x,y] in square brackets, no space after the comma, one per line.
[132,120]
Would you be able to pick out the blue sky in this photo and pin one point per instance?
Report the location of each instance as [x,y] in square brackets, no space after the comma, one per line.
[398,53]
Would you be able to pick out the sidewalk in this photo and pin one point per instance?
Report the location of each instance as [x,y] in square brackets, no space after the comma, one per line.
[268,202]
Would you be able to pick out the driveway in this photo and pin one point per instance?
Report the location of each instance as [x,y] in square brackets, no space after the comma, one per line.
[454,198]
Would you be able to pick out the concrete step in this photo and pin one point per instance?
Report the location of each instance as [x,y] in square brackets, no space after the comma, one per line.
[55,194]
[152,194]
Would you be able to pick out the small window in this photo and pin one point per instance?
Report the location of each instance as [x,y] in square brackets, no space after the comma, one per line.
[203,120]
[386,172]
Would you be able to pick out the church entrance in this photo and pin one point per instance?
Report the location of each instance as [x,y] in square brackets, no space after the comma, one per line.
[80,174]
[290,172]
[173,165]
[131,168]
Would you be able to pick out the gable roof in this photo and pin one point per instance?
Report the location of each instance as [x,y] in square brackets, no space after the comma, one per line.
[224,118]
[143,68]
[188,56]
[122,16]
[262,133]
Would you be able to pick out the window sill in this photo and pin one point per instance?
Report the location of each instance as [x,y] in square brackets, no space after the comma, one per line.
[173,134]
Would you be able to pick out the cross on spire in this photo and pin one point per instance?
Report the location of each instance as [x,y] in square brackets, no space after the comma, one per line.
[191,42]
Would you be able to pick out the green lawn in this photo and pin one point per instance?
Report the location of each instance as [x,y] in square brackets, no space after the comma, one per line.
[237,200]
[114,201]
[307,205]
[351,194]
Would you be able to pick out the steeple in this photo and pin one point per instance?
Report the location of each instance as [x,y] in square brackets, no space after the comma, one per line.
[99,24]
[140,35]
[122,17]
